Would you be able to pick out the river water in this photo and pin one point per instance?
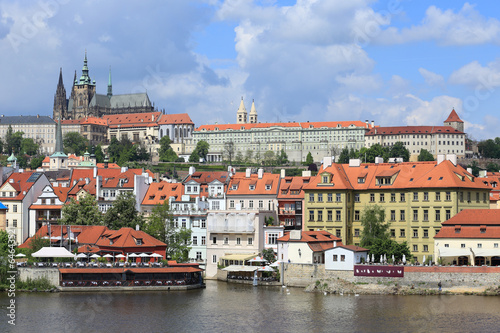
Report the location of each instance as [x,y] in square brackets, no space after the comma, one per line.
[225,307]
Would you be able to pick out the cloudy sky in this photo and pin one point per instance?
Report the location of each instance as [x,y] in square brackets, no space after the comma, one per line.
[395,62]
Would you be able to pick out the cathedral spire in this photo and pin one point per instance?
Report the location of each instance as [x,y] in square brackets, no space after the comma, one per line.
[60,83]
[110,86]
[241,114]
[253,114]
[85,78]
[59,138]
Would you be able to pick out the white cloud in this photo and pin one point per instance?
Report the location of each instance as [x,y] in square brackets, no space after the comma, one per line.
[465,27]
[104,38]
[78,19]
[473,74]
[432,79]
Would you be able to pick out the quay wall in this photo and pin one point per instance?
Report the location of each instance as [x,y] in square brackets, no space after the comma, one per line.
[302,275]
[51,274]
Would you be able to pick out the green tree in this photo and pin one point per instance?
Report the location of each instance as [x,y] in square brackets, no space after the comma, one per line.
[268,254]
[492,167]
[201,149]
[489,148]
[29,146]
[238,159]
[13,141]
[390,247]
[475,168]
[269,158]
[374,226]
[141,153]
[75,143]
[375,151]
[425,156]
[167,154]
[99,154]
[123,213]
[36,162]
[22,160]
[37,243]
[399,150]
[2,144]
[282,158]
[309,159]
[228,151]
[344,156]
[248,156]
[83,212]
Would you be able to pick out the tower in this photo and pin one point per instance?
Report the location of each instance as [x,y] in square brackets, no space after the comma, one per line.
[83,91]
[253,114]
[454,121]
[241,114]
[110,86]
[60,102]
[58,160]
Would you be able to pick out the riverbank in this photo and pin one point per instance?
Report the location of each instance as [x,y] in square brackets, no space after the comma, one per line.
[343,287]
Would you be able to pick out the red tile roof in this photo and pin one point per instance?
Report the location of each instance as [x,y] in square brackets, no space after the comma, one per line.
[94,121]
[244,183]
[159,192]
[126,237]
[469,232]
[86,234]
[317,241]
[412,130]
[19,181]
[206,177]
[291,185]
[475,217]
[472,223]
[453,117]
[326,124]
[353,248]
[180,118]
[145,119]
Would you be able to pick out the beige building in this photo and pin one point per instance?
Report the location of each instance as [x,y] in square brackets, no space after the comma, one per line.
[41,129]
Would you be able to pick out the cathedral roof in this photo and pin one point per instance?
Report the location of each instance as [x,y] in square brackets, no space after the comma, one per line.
[119,101]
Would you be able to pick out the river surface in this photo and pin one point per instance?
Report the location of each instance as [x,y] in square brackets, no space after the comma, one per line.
[225,307]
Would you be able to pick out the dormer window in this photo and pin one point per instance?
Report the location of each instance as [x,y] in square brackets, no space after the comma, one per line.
[361,180]
[268,187]
[252,187]
[138,241]
[234,187]
[325,179]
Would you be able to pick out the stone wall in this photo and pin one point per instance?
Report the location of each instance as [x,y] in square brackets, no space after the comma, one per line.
[301,275]
[52,274]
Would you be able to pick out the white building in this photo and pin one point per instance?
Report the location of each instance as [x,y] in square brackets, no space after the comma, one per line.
[344,257]
[305,247]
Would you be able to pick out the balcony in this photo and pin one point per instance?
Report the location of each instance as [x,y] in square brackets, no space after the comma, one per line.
[283,211]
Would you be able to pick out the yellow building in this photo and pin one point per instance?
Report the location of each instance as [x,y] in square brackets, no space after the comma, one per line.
[416,198]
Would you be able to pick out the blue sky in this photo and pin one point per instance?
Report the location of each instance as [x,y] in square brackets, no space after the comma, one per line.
[394,62]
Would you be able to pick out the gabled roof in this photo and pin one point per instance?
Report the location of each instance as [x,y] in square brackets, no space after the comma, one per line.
[86,234]
[475,217]
[22,183]
[206,177]
[292,184]
[394,130]
[317,241]
[339,179]
[61,192]
[94,121]
[243,183]
[127,237]
[144,119]
[303,125]
[352,248]
[453,117]
[472,223]
[180,118]
[159,192]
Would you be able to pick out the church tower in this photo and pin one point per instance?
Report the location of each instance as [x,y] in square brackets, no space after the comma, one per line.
[58,160]
[83,91]
[253,114]
[454,121]
[60,101]
[241,114]
[110,86]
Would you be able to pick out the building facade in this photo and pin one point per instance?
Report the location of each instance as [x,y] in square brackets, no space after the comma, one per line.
[42,129]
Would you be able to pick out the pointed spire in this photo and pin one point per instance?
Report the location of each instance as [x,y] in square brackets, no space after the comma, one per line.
[74,79]
[59,138]
[242,106]
[60,83]
[253,110]
[110,86]
[85,78]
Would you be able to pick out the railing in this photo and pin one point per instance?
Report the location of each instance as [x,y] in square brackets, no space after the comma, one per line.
[287,211]
[127,283]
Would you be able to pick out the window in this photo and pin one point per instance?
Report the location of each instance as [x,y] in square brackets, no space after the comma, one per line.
[426,233]
[320,215]
[329,215]
[325,179]
[311,215]
[393,197]
[415,248]
[330,197]
[438,215]
[272,239]
[214,259]
[393,215]
[426,215]
[338,197]
[448,196]
[335,257]
[320,197]
[250,204]
[372,197]
[479,245]
[415,196]
[426,196]
[250,240]
[14,223]
[198,255]
[215,205]
[195,240]
[311,197]
[446,245]
[382,197]
[337,215]
[448,214]
[356,197]
[203,240]
[214,240]
[226,240]
[462,246]
[402,197]
[415,215]
[203,223]
[261,204]
[231,203]
[356,215]
[402,233]
[393,232]
[415,233]
[495,245]
[238,241]
[438,196]
[356,232]
[342,257]
[338,233]
[402,216]
[426,248]
[242,204]
[183,223]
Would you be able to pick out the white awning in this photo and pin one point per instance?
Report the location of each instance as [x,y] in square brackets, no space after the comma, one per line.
[53,252]
[453,252]
[238,268]
[486,252]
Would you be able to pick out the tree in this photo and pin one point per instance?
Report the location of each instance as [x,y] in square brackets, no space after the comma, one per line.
[268,254]
[238,159]
[399,150]
[228,152]
[201,149]
[489,148]
[22,160]
[13,141]
[36,162]
[269,158]
[161,225]
[83,212]
[344,156]
[75,143]
[425,156]
[282,158]
[374,226]
[167,154]
[475,168]
[1,146]
[28,146]
[123,213]
[390,247]
[99,154]
[309,159]
[375,151]
[249,156]
[492,167]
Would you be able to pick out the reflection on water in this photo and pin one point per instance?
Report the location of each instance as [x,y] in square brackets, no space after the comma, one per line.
[226,307]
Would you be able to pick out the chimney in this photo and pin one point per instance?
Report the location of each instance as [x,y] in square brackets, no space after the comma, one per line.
[373,123]
[260,173]
[282,173]
[367,123]
[482,173]
[248,172]
[124,169]
[469,170]
[354,162]
[334,243]
[440,158]
[95,172]
[295,234]
[379,160]
[306,173]
[452,158]
[192,170]
[327,162]
[11,180]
